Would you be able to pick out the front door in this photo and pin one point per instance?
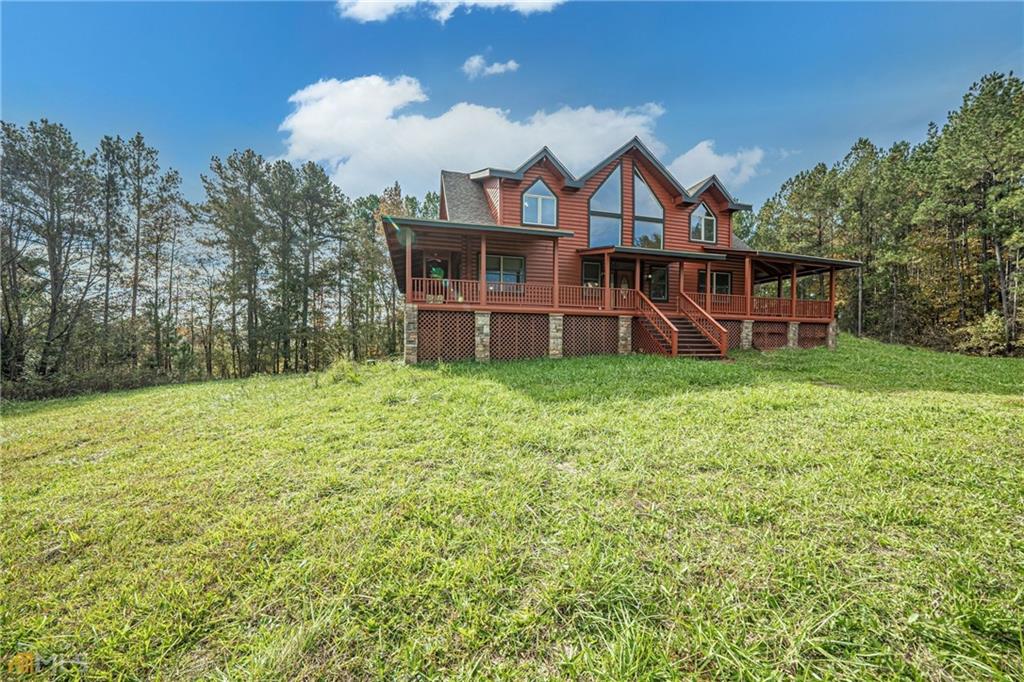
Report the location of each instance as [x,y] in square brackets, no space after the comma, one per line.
[435,267]
[622,275]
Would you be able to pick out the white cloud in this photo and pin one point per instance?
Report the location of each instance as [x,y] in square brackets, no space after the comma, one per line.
[365,11]
[357,128]
[477,66]
[701,161]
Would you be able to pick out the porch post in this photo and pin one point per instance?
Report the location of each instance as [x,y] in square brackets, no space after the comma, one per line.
[748,279]
[778,287]
[554,271]
[636,274]
[792,290]
[482,274]
[707,287]
[607,280]
[408,267]
[832,292]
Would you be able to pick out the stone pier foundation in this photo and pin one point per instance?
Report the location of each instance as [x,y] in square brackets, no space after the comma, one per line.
[555,322]
[793,335]
[625,334]
[747,335]
[411,322]
[482,336]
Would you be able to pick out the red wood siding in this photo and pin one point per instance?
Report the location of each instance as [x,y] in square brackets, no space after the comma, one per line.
[573,214]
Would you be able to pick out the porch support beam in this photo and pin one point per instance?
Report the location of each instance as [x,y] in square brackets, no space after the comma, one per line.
[482,274]
[832,292]
[408,266]
[636,274]
[607,280]
[748,280]
[792,289]
[554,276]
[707,288]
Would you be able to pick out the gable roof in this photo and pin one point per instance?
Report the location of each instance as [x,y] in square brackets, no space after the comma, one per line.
[464,200]
[690,196]
[712,181]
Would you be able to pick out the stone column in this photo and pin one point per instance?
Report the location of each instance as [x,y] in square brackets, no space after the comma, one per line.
[793,335]
[625,334]
[411,322]
[747,334]
[555,322]
[830,339]
[482,336]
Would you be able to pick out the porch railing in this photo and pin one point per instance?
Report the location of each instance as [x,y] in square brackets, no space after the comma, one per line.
[436,291]
[704,323]
[524,294]
[662,325]
[731,304]
[571,296]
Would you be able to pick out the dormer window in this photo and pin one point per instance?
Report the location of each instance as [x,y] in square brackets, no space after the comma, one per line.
[703,225]
[648,216]
[606,211]
[540,207]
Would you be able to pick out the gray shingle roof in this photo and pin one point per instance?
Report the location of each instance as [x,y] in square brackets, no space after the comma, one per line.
[738,243]
[464,199]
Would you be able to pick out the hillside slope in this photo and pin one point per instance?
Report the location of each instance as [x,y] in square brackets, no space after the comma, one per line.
[854,514]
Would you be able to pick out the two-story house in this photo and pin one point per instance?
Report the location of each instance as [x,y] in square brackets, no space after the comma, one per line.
[537,262]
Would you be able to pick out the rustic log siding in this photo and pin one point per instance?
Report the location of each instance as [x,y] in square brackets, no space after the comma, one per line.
[574,214]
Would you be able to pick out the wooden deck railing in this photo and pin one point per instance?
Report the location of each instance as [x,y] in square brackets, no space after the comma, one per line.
[813,308]
[770,307]
[524,294]
[435,291]
[662,325]
[570,296]
[429,291]
[704,323]
[730,304]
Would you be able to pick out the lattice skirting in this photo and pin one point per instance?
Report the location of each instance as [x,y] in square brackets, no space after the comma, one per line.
[770,335]
[445,335]
[589,335]
[644,341]
[518,335]
[734,328]
[812,335]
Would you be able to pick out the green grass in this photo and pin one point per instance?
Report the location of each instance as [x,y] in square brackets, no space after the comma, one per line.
[847,515]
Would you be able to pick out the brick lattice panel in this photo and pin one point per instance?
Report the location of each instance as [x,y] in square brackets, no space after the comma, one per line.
[770,335]
[812,335]
[445,335]
[589,335]
[516,335]
[644,341]
[734,329]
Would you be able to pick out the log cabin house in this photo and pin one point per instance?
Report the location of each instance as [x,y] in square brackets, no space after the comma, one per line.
[536,262]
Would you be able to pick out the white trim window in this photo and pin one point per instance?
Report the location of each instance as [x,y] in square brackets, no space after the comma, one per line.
[540,206]
[703,225]
[605,208]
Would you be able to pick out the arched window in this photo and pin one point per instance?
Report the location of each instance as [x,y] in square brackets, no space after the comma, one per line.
[648,216]
[606,211]
[703,225]
[540,207]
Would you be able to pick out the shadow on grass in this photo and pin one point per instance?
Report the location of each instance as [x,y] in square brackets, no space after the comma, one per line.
[858,365]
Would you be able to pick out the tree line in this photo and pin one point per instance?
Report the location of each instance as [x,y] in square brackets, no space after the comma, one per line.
[110,277]
[938,225]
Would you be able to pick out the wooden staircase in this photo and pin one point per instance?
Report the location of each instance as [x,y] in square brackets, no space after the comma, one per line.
[692,343]
[693,333]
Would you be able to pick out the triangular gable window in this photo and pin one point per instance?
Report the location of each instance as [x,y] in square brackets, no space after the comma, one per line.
[540,206]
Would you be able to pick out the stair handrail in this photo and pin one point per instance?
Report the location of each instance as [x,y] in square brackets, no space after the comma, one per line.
[704,323]
[659,321]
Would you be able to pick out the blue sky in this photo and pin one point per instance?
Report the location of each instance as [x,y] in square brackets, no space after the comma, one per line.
[754,92]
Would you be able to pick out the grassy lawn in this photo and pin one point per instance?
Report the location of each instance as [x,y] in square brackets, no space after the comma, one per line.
[849,515]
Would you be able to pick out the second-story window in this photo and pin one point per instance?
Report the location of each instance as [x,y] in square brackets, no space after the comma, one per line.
[703,226]
[540,207]
[648,216]
[606,211]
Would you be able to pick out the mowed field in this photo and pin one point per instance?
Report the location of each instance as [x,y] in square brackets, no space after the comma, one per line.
[848,515]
